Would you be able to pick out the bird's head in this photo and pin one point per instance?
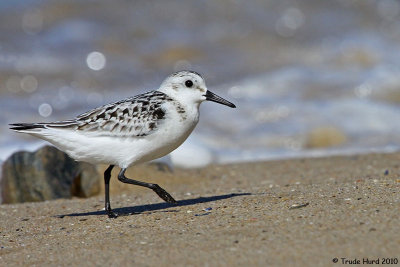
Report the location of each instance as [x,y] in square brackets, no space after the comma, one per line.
[189,87]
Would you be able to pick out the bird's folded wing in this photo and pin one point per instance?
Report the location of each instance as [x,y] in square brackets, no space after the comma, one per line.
[135,116]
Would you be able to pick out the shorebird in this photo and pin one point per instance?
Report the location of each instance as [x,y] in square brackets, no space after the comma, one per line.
[131,131]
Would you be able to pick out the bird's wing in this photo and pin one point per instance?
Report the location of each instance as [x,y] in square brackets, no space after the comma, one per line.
[135,116]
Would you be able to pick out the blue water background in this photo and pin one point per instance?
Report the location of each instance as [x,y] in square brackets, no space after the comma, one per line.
[295,70]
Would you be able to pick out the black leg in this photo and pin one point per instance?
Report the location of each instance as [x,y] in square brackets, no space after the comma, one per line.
[107,176]
[155,187]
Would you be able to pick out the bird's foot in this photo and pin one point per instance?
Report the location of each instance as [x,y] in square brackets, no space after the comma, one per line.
[163,194]
[111,214]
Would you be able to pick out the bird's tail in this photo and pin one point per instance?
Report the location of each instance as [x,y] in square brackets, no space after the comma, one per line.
[26,126]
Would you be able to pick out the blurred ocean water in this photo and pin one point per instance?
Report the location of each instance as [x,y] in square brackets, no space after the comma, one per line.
[309,78]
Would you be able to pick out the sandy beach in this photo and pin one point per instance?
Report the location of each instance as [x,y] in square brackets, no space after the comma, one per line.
[292,212]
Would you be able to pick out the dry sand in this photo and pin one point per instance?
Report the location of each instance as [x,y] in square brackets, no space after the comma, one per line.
[302,212]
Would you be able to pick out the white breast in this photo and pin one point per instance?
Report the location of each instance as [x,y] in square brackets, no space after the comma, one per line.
[174,130]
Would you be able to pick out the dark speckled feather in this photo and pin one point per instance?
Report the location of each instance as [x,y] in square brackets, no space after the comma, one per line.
[135,116]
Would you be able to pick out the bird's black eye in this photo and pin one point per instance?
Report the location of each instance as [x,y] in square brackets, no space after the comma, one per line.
[189,83]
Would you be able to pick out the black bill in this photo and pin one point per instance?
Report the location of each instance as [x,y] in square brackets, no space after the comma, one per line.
[213,97]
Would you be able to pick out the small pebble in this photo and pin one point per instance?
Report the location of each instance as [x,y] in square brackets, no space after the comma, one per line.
[298,206]
[207,209]
[203,214]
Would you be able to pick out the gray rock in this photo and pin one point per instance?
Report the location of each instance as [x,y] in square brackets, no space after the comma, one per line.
[46,174]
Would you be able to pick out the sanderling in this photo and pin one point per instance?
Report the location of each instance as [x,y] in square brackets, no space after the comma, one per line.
[131,131]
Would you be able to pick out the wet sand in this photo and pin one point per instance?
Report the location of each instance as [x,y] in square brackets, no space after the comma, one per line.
[302,211]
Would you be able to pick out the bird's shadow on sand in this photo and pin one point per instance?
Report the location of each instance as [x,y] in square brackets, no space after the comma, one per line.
[156,207]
